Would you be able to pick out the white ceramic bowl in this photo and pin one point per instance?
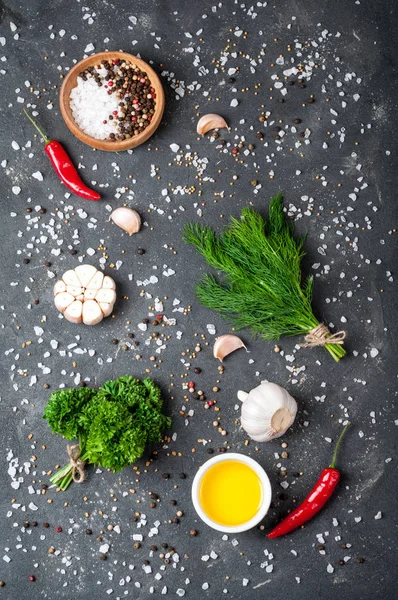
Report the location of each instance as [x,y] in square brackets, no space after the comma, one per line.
[267,493]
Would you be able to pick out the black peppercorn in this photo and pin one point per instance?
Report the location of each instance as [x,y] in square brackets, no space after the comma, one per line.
[102,556]
[197,370]
[166,475]
[89,532]
[140,251]
[73,251]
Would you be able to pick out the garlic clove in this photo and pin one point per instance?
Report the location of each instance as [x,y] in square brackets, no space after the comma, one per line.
[108,296]
[108,283]
[95,282]
[74,312]
[106,308]
[59,287]
[127,219]
[74,290]
[92,313]
[90,294]
[85,273]
[70,278]
[210,121]
[267,411]
[225,344]
[63,300]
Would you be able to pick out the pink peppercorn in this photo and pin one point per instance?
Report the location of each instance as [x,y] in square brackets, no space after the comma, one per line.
[58,529]
[235,151]
[191,384]
[142,80]
[32,578]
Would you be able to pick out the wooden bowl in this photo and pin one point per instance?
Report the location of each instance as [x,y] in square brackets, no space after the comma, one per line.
[70,82]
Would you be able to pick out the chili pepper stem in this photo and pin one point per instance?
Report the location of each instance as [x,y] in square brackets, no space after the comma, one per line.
[45,138]
[333,463]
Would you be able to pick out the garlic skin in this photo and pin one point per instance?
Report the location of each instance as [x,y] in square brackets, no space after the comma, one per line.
[210,121]
[267,411]
[225,344]
[127,219]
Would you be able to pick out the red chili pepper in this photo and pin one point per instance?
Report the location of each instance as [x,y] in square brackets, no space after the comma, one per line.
[315,500]
[64,167]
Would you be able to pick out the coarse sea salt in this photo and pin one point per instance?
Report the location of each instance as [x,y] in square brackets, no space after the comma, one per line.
[91,106]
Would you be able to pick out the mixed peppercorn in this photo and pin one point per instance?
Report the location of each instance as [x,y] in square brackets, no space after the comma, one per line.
[134,91]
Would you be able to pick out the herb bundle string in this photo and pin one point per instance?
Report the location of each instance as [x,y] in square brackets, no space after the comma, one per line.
[263,287]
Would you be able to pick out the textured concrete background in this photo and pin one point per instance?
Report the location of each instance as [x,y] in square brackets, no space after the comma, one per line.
[351,250]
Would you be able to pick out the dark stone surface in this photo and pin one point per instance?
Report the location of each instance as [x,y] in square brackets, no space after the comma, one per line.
[353,289]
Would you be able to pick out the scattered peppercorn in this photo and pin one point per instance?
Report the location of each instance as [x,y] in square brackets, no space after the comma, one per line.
[166,475]
[183,476]
[197,370]
[140,251]
[26,261]
[115,341]
[89,531]
[193,533]
[58,529]
[46,525]
[47,263]
[73,252]
[32,578]
[102,556]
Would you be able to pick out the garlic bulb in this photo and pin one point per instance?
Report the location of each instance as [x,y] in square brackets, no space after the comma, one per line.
[267,411]
[127,219]
[85,295]
[210,121]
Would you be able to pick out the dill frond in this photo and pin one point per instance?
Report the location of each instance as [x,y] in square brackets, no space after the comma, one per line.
[262,288]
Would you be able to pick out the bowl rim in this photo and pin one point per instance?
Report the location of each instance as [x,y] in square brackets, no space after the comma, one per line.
[107,145]
[265,482]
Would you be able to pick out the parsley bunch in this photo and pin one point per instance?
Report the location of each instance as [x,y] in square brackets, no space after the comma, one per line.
[113,424]
[263,287]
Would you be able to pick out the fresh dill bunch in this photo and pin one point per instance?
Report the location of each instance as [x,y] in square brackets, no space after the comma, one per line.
[262,287]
